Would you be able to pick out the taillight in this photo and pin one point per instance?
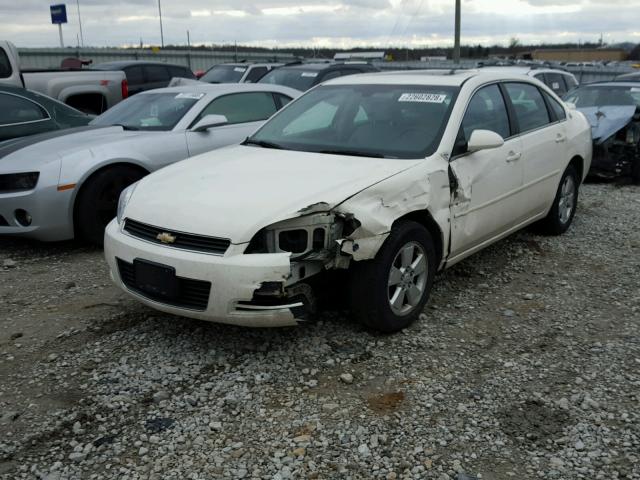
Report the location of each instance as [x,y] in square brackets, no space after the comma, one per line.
[125,88]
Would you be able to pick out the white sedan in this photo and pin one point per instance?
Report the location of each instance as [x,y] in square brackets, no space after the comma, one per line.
[392,176]
[57,185]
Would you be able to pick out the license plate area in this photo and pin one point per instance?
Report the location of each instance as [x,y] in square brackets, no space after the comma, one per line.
[157,280]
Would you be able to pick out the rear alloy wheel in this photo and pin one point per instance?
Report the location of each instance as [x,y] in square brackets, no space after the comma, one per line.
[389,292]
[564,205]
[97,202]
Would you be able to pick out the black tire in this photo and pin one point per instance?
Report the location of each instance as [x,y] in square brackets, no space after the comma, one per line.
[369,289]
[97,202]
[557,222]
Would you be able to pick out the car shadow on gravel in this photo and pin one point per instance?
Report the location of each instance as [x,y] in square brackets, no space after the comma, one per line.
[15,248]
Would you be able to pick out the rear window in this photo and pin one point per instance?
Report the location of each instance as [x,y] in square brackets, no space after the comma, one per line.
[16,110]
[291,77]
[224,74]
[5,65]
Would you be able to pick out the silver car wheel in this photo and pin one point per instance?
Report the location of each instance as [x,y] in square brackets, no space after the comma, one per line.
[407,278]
[567,199]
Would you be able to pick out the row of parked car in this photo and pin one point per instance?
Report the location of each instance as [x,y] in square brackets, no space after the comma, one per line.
[386,178]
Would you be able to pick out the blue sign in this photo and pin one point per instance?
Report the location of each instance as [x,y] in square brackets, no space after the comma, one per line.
[58,13]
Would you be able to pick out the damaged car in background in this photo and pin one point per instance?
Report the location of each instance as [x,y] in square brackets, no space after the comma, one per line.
[387,177]
[613,110]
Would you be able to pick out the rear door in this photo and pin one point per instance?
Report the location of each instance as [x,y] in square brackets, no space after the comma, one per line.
[544,146]
[245,112]
[487,202]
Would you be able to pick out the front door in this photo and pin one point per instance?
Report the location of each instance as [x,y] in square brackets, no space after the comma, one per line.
[486,202]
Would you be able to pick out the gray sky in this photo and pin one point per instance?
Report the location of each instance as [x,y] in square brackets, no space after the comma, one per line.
[320,23]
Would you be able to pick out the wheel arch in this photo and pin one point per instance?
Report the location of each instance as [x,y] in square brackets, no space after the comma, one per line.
[424,218]
[578,163]
[91,174]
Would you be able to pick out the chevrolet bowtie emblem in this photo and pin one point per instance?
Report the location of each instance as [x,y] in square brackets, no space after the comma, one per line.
[166,237]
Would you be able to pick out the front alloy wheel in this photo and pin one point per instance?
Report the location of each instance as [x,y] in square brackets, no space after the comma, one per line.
[389,292]
[407,278]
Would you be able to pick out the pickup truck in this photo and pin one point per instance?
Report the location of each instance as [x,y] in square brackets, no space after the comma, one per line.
[89,91]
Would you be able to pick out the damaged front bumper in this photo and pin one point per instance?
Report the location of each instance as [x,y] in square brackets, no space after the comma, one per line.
[615,156]
[249,290]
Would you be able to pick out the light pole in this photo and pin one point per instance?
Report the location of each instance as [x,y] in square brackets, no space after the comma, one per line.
[80,24]
[456,42]
[161,34]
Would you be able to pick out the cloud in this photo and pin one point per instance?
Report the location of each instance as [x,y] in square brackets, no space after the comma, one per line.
[282,23]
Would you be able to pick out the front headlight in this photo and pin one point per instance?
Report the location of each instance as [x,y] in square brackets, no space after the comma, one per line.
[125,196]
[18,182]
[299,236]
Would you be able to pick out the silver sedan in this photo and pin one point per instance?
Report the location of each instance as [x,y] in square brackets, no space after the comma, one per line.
[61,185]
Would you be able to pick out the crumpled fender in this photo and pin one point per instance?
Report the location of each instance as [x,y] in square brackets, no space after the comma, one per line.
[421,188]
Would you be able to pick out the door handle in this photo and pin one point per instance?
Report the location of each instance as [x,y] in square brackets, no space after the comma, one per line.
[560,138]
[513,157]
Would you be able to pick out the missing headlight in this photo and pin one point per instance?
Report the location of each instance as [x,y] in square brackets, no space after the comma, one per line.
[294,241]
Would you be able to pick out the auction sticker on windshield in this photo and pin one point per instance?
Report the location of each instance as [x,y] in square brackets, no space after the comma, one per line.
[309,74]
[423,97]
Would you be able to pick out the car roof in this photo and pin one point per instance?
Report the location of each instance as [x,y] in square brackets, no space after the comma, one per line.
[325,65]
[421,77]
[129,63]
[222,88]
[247,64]
[524,70]
[614,83]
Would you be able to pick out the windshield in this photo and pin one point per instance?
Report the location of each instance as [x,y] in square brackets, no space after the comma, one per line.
[291,77]
[149,111]
[392,121]
[599,96]
[224,74]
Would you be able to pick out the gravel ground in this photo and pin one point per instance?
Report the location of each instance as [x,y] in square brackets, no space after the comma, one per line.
[525,365]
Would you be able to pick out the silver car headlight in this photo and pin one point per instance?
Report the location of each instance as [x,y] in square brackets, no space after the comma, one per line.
[302,236]
[125,196]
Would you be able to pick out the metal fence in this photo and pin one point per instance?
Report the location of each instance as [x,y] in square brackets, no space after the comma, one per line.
[204,59]
[194,59]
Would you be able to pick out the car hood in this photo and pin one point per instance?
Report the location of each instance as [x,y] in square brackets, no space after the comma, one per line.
[234,192]
[605,121]
[33,151]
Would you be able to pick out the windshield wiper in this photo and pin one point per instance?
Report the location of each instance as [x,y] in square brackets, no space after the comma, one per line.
[262,143]
[353,153]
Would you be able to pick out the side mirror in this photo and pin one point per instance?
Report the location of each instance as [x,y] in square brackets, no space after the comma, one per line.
[209,121]
[484,140]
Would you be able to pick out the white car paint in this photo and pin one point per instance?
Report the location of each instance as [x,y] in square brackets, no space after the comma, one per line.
[234,193]
[66,161]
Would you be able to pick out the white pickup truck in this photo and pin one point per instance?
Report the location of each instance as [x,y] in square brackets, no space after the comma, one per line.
[90,91]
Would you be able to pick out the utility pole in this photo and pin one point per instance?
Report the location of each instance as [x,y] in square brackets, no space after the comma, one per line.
[456,42]
[80,24]
[161,34]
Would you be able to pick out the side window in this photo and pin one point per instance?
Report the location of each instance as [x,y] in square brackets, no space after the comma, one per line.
[242,107]
[134,75]
[486,111]
[255,74]
[5,65]
[556,108]
[556,83]
[281,100]
[19,110]
[570,81]
[157,73]
[531,111]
